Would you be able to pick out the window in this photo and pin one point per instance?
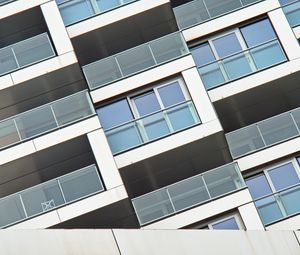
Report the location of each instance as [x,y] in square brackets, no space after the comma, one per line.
[276,191]
[291,8]
[147,116]
[230,223]
[238,53]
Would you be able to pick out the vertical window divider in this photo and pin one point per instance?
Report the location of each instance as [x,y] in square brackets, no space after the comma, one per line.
[23,206]
[173,207]
[17,62]
[61,190]
[261,135]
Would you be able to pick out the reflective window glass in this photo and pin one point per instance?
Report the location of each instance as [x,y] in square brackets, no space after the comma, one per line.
[226,224]
[203,54]
[227,45]
[284,2]
[258,186]
[171,94]
[146,104]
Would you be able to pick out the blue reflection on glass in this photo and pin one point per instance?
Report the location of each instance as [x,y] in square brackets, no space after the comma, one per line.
[258,186]
[146,103]
[227,45]
[226,224]
[171,94]
[203,54]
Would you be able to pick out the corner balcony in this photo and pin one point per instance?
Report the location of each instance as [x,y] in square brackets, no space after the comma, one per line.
[50,195]
[199,11]
[135,60]
[45,119]
[192,192]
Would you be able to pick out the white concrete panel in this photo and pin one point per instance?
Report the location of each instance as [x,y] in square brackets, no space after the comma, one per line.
[199,95]
[250,217]
[44,67]
[203,212]
[16,152]
[168,143]
[43,221]
[5,81]
[66,133]
[254,80]
[228,20]
[19,6]
[56,27]
[297,31]
[267,155]
[292,223]
[92,203]
[113,16]
[104,158]
[285,33]
[143,78]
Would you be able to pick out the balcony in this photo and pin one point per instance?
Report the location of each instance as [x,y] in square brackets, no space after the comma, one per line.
[242,64]
[45,118]
[264,134]
[188,193]
[135,60]
[199,11]
[292,13]
[50,195]
[76,10]
[24,53]
[152,127]
[3,2]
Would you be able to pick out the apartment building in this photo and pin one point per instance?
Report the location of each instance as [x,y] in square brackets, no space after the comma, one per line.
[151,114]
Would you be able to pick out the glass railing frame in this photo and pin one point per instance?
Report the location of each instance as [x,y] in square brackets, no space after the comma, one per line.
[283,9]
[248,52]
[35,62]
[236,166]
[56,207]
[211,18]
[271,145]
[136,120]
[52,129]
[132,49]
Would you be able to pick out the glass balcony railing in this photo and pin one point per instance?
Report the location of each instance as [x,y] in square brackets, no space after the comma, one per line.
[199,11]
[49,195]
[45,118]
[3,2]
[264,134]
[152,127]
[135,60]
[24,53]
[242,64]
[279,205]
[292,13]
[76,10]
[188,193]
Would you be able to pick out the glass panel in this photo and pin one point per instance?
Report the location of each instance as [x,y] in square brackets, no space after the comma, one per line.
[102,72]
[188,193]
[218,7]
[268,210]
[189,14]
[7,61]
[223,180]
[114,114]
[283,176]
[230,224]
[168,48]
[267,55]
[182,116]
[283,2]
[258,33]
[237,66]
[8,133]
[258,186]
[153,206]
[211,75]
[202,54]
[135,60]
[11,210]
[107,4]
[293,14]
[153,126]
[123,138]
[246,2]
[278,129]
[35,122]
[72,108]
[244,141]
[80,184]
[146,103]
[290,199]
[227,45]
[296,115]
[42,198]
[171,94]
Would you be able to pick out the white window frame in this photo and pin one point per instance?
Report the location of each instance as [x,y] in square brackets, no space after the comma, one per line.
[236,217]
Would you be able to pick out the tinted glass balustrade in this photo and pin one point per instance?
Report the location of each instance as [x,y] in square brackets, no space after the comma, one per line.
[135,60]
[188,193]
[241,64]
[199,11]
[25,53]
[45,118]
[151,127]
[264,134]
[76,10]
[292,12]
[49,195]
[2,2]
